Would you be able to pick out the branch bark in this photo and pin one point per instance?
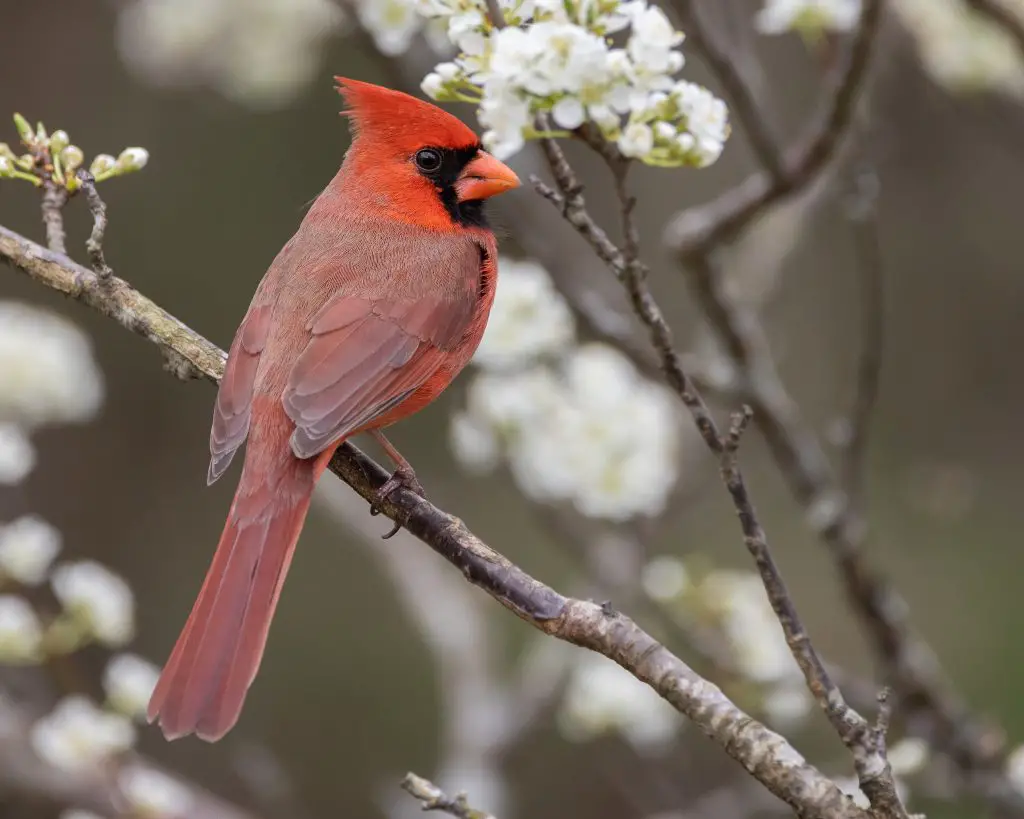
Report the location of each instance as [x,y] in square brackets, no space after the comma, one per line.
[764,754]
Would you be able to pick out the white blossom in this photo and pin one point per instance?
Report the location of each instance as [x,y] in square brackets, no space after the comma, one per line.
[79,813]
[154,795]
[17,455]
[1015,767]
[257,52]
[747,618]
[591,432]
[77,735]
[908,756]
[786,704]
[474,443]
[99,598]
[529,317]
[28,547]
[963,50]
[47,371]
[778,16]
[391,23]
[665,578]
[129,681]
[21,633]
[602,697]
[556,58]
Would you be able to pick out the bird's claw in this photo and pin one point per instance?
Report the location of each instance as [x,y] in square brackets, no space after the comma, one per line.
[404,479]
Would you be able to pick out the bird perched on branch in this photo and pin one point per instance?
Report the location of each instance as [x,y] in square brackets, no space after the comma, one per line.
[365,317]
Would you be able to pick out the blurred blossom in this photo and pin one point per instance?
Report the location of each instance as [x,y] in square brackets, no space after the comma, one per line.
[21,633]
[808,16]
[98,598]
[962,49]
[78,813]
[153,795]
[391,23]
[908,756]
[1015,767]
[556,59]
[474,443]
[665,579]
[739,602]
[603,698]
[47,371]
[28,547]
[787,704]
[529,317]
[594,432]
[129,681]
[78,735]
[17,455]
[256,52]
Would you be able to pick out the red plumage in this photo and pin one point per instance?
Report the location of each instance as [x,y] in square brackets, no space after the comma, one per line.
[365,317]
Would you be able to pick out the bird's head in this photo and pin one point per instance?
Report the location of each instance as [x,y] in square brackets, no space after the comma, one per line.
[420,159]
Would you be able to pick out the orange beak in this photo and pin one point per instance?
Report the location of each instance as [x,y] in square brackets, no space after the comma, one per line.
[483,177]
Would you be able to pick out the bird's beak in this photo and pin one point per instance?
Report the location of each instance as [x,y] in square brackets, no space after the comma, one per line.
[483,177]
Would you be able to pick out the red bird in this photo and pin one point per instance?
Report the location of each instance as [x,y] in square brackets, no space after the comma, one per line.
[365,317]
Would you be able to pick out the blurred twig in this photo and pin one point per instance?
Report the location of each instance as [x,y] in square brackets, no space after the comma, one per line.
[433,798]
[1000,13]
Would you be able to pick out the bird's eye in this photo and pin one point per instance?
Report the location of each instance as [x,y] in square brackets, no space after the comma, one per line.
[428,160]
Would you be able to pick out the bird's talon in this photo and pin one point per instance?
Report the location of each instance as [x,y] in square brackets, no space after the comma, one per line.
[404,479]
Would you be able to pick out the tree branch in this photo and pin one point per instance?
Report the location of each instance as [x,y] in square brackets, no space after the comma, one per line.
[763,753]
[433,798]
[695,232]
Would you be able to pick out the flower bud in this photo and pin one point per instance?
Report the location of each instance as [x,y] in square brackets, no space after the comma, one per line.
[72,157]
[6,166]
[41,136]
[132,159]
[102,165]
[59,141]
[5,150]
[24,129]
[27,162]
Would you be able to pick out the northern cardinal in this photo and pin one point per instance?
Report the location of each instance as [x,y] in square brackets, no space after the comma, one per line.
[365,317]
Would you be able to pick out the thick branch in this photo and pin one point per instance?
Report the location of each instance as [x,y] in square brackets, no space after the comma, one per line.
[765,754]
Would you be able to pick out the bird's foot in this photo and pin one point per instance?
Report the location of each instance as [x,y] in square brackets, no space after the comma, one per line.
[403,478]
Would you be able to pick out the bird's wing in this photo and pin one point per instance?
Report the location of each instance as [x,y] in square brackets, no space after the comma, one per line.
[231,413]
[367,353]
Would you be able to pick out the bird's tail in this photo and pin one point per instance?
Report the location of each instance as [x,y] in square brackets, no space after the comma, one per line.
[205,681]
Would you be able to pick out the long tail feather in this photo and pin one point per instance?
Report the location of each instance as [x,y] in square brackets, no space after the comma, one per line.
[203,686]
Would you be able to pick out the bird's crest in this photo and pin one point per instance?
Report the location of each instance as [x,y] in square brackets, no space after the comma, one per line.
[400,120]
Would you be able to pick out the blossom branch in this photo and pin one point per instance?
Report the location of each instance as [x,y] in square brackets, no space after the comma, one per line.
[94,244]
[865,745]
[53,201]
[764,754]
[998,12]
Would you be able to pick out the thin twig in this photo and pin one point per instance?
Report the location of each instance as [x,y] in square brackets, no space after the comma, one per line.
[433,798]
[54,198]
[695,232]
[763,753]
[868,754]
[863,217]
[94,244]
[1000,13]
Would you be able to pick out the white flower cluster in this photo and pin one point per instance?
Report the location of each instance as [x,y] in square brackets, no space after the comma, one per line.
[556,57]
[256,52]
[962,50]
[603,698]
[575,423]
[736,605]
[809,17]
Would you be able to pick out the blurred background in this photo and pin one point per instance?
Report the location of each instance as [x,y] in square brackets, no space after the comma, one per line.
[369,671]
